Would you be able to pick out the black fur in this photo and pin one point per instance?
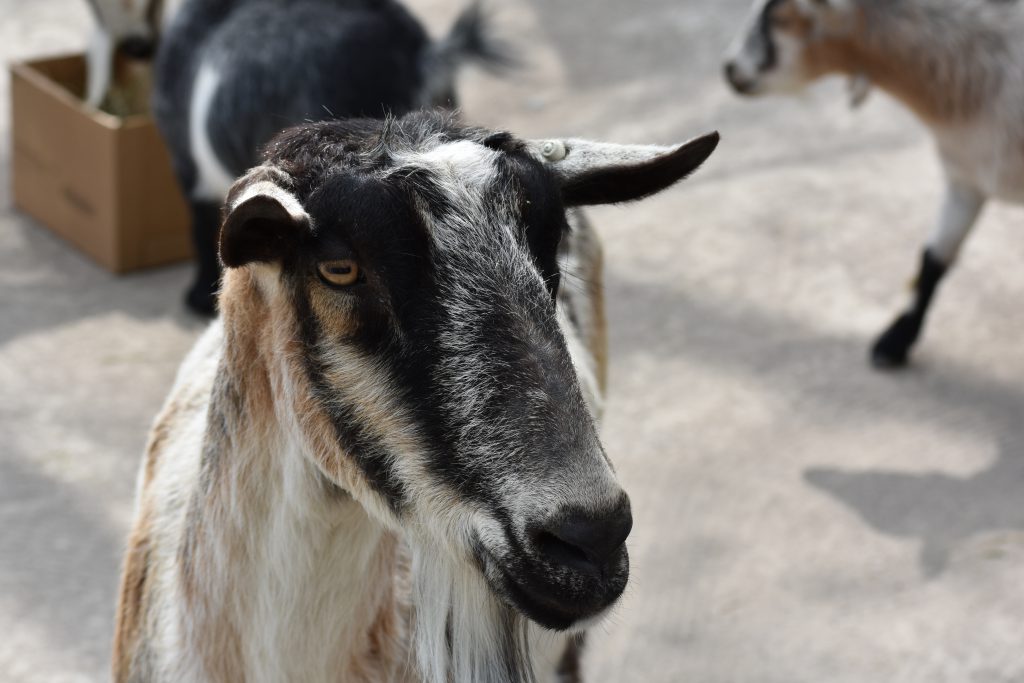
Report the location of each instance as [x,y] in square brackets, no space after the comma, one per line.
[206,216]
[892,349]
[540,206]
[769,56]
[337,62]
[258,230]
[570,667]
[281,63]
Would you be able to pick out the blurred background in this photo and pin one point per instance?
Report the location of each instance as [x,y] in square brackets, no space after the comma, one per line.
[798,515]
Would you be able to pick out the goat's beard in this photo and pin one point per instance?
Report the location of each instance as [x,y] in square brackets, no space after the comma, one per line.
[463,632]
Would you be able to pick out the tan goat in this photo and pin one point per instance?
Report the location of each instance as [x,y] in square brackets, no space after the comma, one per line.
[957,64]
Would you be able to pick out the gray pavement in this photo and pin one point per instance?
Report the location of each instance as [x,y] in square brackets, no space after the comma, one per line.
[799,517]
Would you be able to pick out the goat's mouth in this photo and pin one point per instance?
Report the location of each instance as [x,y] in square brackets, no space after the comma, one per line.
[747,88]
[741,84]
[556,597]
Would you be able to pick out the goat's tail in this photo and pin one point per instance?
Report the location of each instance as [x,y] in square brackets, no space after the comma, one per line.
[469,41]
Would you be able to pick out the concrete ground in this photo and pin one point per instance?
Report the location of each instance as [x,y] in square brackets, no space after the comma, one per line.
[799,517]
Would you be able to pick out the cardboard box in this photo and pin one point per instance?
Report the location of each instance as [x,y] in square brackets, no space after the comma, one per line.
[101,182]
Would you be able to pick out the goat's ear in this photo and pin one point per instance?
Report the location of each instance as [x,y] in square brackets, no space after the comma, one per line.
[606,173]
[264,224]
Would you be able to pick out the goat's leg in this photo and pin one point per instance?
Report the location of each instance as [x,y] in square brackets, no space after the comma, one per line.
[100,62]
[570,667]
[201,297]
[960,211]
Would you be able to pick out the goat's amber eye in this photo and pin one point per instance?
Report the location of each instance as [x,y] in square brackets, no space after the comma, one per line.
[340,273]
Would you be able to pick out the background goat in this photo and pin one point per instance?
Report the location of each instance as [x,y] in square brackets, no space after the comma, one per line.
[381,463]
[958,64]
[231,73]
[122,28]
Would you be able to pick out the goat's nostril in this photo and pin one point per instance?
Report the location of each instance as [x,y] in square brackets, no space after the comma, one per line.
[556,550]
[584,539]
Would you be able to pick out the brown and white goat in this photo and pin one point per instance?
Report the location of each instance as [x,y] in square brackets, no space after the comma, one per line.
[382,462]
[957,64]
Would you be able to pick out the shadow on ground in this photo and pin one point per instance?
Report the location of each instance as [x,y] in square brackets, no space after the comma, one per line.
[45,283]
[56,548]
[939,510]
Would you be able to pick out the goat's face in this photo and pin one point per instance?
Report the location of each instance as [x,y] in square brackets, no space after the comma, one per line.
[416,261]
[788,43]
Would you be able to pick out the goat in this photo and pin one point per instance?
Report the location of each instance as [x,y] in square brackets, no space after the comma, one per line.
[381,462]
[231,73]
[957,64]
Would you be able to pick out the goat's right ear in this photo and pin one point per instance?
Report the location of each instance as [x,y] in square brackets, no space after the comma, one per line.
[264,224]
[606,173]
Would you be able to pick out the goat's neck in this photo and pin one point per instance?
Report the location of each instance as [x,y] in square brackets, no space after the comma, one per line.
[944,68]
[290,579]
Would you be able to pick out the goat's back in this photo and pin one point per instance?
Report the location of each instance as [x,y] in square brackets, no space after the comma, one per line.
[279,64]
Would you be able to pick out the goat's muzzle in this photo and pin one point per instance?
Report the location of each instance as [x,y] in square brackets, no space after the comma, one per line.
[570,568]
[739,83]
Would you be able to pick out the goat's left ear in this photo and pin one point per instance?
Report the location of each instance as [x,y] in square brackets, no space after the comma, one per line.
[265,223]
[606,173]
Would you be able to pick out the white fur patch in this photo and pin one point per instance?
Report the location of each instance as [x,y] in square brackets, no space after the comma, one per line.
[212,180]
[169,10]
[265,188]
[471,164]
[960,210]
[99,59]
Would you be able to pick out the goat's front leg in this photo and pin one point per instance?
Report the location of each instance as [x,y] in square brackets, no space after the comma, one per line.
[959,213]
[100,63]
[201,296]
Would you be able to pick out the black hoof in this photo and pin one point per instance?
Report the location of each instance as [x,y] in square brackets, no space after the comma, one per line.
[201,299]
[892,350]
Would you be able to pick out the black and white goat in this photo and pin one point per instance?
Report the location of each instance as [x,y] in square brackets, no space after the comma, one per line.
[231,73]
[958,64]
[381,463]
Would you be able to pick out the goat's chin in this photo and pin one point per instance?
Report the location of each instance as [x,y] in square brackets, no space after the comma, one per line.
[745,88]
[462,630]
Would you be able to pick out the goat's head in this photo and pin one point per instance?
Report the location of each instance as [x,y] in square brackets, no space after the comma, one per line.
[412,266]
[786,44]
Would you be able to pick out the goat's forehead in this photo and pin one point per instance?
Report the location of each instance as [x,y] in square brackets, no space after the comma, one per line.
[468,179]
[462,164]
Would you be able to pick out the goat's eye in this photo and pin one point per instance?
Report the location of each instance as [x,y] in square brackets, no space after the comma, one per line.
[340,273]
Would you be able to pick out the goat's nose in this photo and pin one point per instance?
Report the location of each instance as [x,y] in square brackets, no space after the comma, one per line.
[583,539]
[735,79]
[732,73]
